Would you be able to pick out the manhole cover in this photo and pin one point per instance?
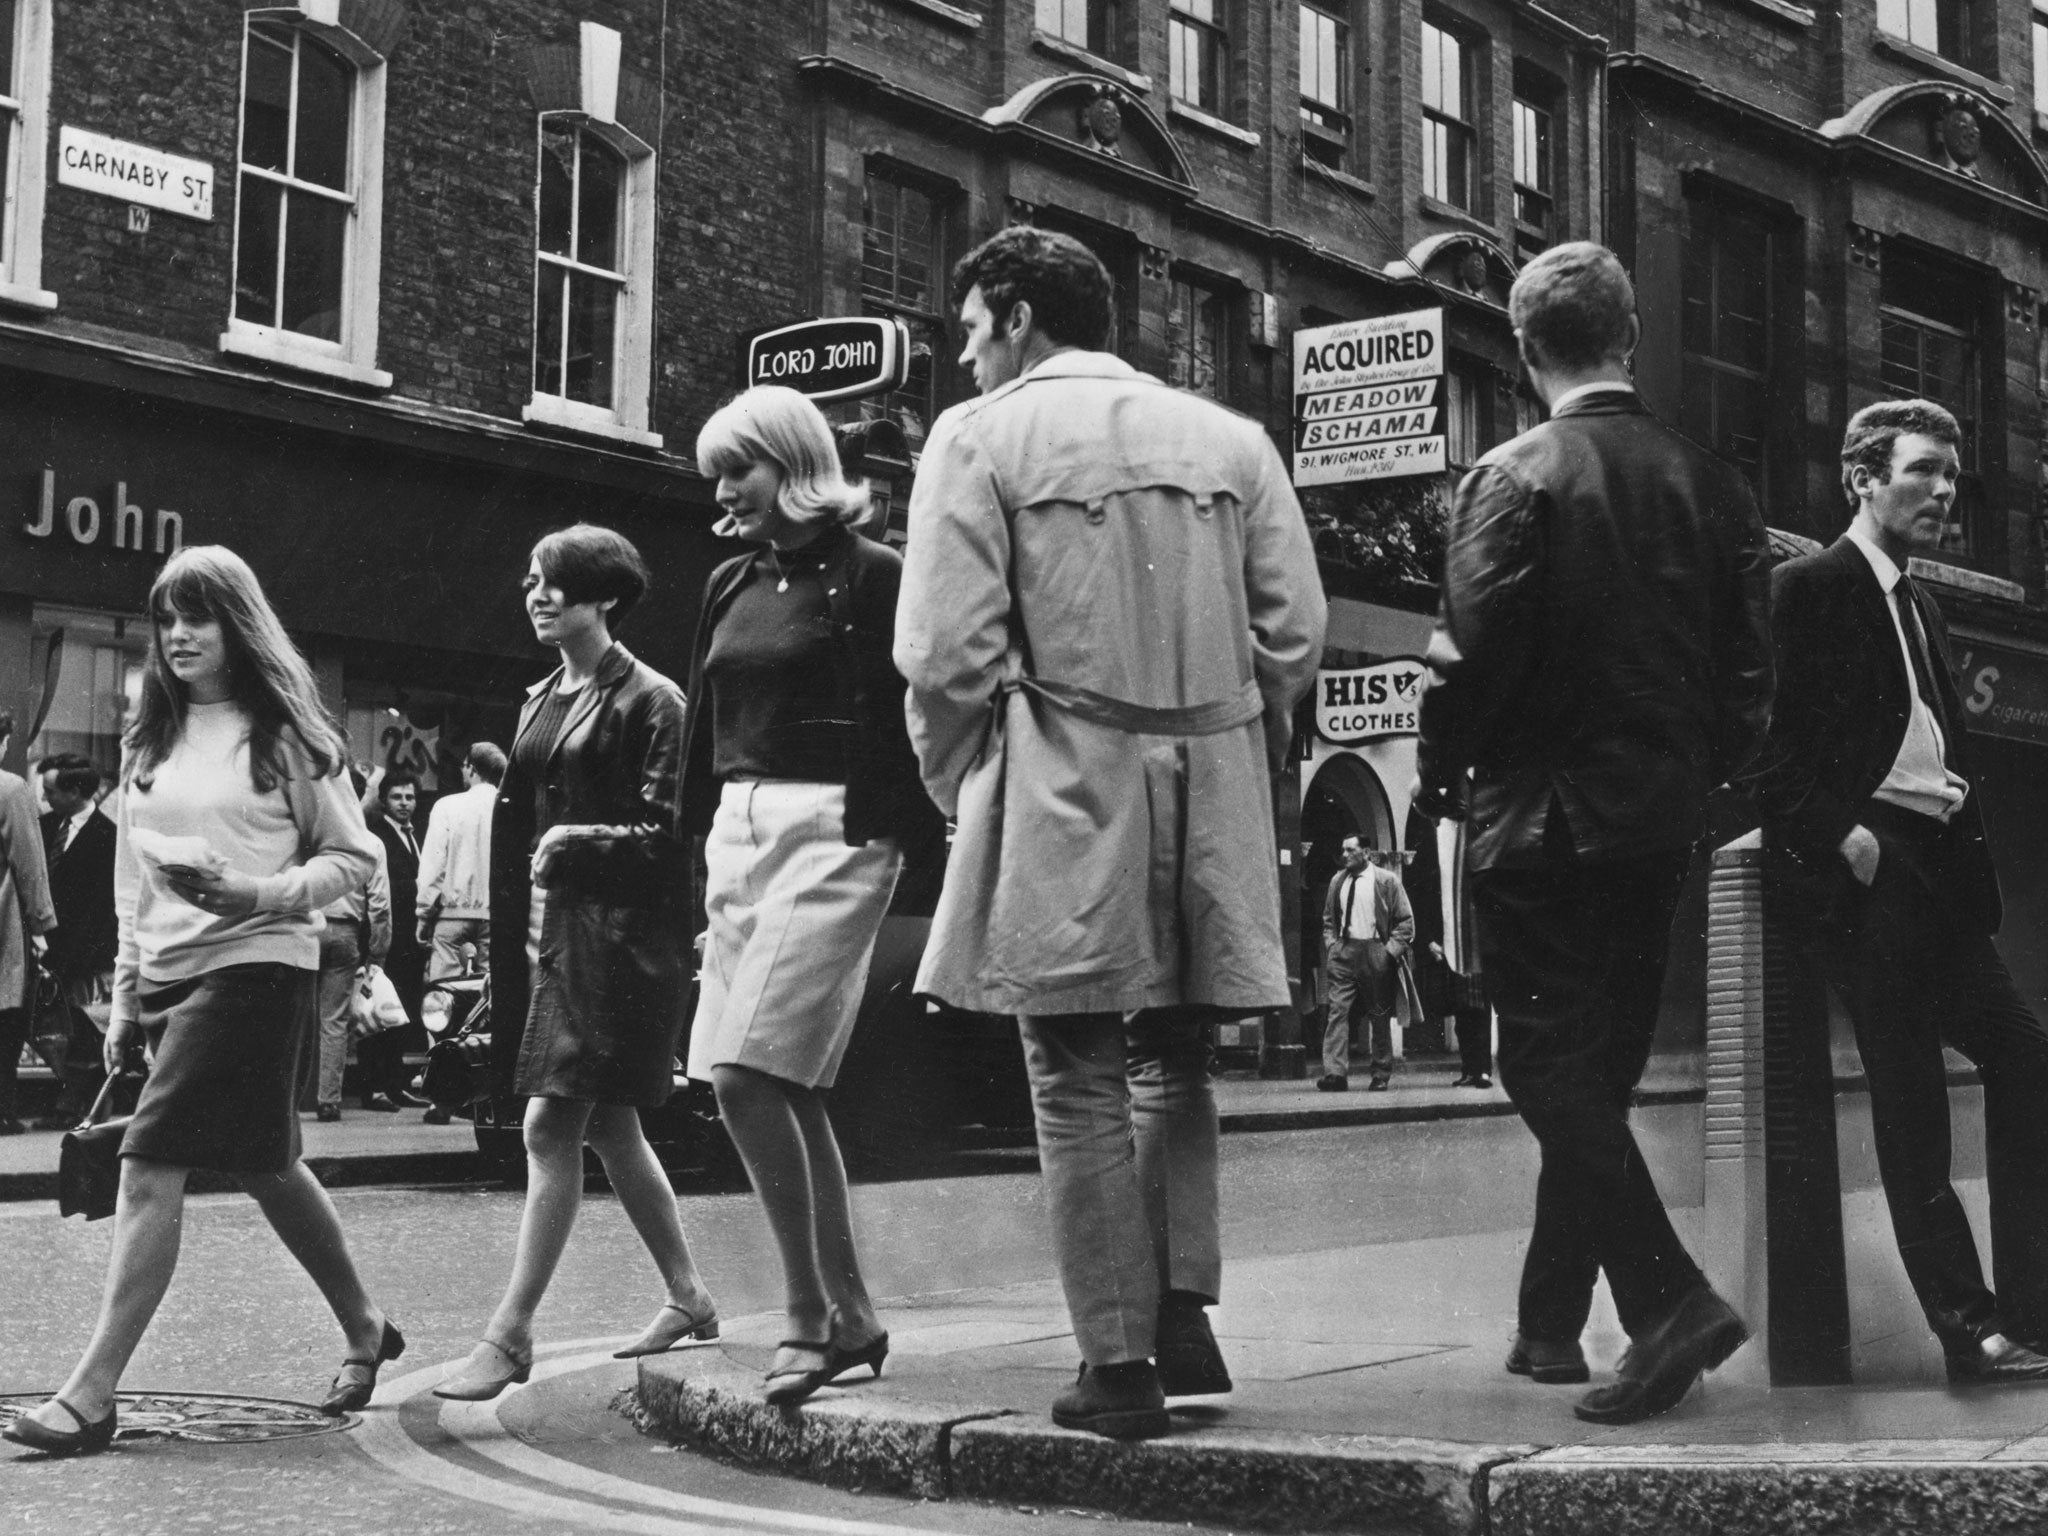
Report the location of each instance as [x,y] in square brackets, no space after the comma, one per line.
[212,1417]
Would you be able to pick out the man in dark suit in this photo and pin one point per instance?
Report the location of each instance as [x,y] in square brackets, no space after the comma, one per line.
[1602,662]
[1873,828]
[381,1058]
[78,848]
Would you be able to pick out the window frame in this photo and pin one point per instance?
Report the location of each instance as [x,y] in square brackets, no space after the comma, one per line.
[1961,535]
[1440,127]
[627,417]
[354,356]
[1220,300]
[1714,364]
[1210,39]
[1538,96]
[1922,23]
[931,319]
[2037,32]
[1100,25]
[1327,125]
[27,159]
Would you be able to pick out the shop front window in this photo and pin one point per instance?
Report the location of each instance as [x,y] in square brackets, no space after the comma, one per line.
[87,672]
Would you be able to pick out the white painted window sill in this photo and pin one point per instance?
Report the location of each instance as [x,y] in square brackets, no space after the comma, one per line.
[952,15]
[267,347]
[1216,125]
[24,297]
[572,416]
[1073,53]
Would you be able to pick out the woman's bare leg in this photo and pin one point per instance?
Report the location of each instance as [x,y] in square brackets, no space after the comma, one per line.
[650,1204]
[301,1214]
[761,1117]
[554,1193]
[832,1221]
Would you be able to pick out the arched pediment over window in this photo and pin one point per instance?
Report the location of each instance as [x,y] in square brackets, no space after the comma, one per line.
[1098,115]
[1950,127]
[1460,262]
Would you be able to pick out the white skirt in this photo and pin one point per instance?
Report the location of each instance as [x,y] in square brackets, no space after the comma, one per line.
[793,913]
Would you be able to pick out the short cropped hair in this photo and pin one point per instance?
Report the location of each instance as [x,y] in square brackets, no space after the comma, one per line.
[773,424]
[591,564]
[486,760]
[396,778]
[1059,277]
[1573,303]
[75,775]
[1874,431]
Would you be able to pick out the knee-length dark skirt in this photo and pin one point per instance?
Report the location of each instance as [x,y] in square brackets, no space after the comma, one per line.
[230,1047]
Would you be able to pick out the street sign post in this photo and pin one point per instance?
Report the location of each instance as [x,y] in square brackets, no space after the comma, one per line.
[1367,399]
[833,359]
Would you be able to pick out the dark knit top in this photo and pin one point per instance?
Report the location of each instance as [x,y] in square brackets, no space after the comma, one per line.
[770,676]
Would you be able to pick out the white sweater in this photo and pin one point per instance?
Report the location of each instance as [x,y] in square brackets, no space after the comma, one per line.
[304,842]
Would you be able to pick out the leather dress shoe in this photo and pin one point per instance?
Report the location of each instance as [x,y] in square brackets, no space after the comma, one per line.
[1190,1363]
[1553,1365]
[1661,1366]
[356,1382]
[87,1440]
[1378,1084]
[1996,1361]
[380,1102]
[1123,1401]
[1332,1082]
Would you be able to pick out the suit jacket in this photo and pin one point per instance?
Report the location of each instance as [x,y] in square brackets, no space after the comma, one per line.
[25,905]
[1393,918]
[1603,646]
[403,862]
[82,890]
[1843,703]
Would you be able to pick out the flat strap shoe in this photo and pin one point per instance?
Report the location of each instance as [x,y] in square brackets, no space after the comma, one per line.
[672,1326]
[356,1381]
[481,1380]
[793,1385]
[87,1440]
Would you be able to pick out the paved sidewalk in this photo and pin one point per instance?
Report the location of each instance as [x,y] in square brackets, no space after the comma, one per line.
[1370,1396]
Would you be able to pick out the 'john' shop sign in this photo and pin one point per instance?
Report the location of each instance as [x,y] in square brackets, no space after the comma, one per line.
[1363,704]
[833,359]
[134,173]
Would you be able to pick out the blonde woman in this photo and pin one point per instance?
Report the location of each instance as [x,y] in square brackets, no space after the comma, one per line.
[237,825]
[798,766]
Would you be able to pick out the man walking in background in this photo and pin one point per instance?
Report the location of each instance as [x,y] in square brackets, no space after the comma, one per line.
[26,914]
[454,881]
[78,848]
[381,1057]
[1367,927]
[1109,608]
[1602,661]
[1874,831]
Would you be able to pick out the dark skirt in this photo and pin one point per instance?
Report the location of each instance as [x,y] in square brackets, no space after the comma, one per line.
[230,1046]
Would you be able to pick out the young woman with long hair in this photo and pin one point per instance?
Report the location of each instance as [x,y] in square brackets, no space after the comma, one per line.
[590,890]
[798,765]
[236,827]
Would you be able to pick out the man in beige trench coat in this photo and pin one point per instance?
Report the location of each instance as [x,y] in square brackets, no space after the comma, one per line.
[1109,608]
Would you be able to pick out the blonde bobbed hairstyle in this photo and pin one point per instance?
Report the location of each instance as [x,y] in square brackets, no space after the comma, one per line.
[773,424]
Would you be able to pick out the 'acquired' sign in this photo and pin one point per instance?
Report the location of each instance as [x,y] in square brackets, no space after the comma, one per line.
[1366,703]
[134,173]
[1366,397]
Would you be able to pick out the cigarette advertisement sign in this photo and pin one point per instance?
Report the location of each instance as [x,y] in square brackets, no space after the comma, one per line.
[1368,399]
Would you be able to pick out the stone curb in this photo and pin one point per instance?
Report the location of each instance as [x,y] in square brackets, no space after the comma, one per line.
[1273,1480]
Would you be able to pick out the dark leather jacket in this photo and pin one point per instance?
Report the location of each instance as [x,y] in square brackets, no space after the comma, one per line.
[885,795]
[615,944]
[1603,649]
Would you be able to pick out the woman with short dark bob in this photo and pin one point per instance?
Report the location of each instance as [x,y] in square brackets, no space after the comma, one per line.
[798,766]
[590,892]
[236,826]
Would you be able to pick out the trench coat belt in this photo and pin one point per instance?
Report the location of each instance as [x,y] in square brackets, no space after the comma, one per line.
[1144,719]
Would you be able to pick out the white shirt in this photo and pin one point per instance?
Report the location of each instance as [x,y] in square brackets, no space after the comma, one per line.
[455,862]
[76,825]
[1602,386]
[1920,780]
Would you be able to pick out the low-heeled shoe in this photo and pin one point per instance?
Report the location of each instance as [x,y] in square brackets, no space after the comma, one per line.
[672,1325]
[477,1383]
[1332,1082]
[1549,1363]
[356,1382]
[1123,1402]
[1660,1367]
[1190,1362]
[87,1440]
[1994,1361]
[786,1387]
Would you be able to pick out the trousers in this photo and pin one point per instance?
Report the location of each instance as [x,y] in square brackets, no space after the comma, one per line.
[1362,979]
[1574,956]
[1127,1144]
[445,961]
[1912,978]
[340,956]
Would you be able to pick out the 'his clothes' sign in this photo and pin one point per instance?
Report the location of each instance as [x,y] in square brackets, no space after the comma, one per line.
[1367,703]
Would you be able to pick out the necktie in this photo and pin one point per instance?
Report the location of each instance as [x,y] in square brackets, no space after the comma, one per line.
[1350,895]
[1922,654]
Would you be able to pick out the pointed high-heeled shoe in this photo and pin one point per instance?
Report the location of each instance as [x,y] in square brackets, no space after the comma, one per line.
[479,1383]
[356,1381]
[793,1386]
[672,1325]
[89,1439]
[839,1359]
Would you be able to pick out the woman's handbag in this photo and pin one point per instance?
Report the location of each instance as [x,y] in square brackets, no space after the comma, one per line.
[89,1161]
[373,1003]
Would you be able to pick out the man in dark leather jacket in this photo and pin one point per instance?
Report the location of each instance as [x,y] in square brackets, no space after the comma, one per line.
[1602,662]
